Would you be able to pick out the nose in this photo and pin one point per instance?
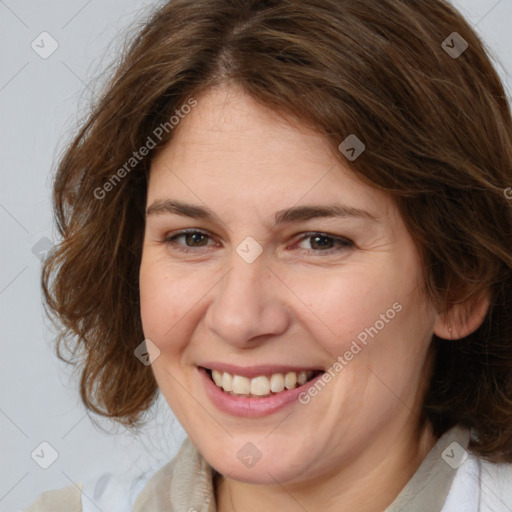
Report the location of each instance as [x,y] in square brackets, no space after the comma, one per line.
[248,305]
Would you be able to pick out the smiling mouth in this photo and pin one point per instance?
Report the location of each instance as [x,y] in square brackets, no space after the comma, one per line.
[261,386]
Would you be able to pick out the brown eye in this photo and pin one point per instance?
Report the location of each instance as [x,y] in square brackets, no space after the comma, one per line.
[195,239]
[322,242]
[190,240]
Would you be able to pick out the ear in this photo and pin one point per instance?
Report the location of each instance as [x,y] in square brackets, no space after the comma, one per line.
[463,318]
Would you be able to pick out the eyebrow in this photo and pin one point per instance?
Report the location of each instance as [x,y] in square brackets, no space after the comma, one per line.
[288,215]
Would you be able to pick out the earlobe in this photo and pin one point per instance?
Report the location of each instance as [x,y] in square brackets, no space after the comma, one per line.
[463,318]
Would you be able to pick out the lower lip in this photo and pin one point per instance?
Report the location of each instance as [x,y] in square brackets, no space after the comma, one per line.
[251,407]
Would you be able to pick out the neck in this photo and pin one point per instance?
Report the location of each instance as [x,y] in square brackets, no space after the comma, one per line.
[381,472]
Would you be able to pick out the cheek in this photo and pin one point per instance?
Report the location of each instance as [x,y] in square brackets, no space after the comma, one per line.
[340,308]
[390,347]
[369,316]
[161,301]
[171,304]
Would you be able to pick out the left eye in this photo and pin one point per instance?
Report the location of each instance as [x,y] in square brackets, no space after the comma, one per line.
[321,242]
[194,238]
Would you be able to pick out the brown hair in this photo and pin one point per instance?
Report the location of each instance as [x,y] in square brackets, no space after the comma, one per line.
[438,136]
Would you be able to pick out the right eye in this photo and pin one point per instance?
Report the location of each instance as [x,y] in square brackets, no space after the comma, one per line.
[192,238]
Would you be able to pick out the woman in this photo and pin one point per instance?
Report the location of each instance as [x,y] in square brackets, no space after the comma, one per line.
[291,219]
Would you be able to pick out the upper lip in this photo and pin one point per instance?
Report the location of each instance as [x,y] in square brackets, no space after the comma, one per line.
[256,371]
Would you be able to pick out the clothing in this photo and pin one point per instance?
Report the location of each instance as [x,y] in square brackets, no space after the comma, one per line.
[185,484]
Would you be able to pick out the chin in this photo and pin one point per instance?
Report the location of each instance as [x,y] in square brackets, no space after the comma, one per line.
[275,468]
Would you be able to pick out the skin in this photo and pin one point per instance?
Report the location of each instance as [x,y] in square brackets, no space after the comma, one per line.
[297,304]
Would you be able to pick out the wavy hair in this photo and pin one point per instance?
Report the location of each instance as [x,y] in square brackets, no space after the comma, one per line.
[438,135]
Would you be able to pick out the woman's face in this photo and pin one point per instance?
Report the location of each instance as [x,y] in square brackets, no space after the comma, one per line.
[291,265]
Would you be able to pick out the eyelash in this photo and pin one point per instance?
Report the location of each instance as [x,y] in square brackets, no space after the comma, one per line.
[344,243]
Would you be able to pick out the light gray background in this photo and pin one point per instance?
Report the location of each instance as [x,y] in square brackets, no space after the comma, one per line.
[41,101]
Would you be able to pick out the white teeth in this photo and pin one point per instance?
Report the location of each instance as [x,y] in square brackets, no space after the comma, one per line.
[227,382]
[302,378]
[241,385]
[261,385]
[217,377]
[277,383]
[290,379]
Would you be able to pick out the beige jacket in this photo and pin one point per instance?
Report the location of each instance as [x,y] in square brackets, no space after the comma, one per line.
[185,484]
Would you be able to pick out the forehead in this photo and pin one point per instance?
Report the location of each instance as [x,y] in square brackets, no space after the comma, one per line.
[227,121]
[232,151]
